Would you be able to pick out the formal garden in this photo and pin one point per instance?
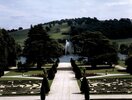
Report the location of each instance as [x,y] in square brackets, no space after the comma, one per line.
[95,69]
[27,82]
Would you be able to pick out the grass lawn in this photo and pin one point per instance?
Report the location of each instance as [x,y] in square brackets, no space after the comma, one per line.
[12,79]
[123,41]
[64,28]
[57,36]
[109,71]
[12,73]
[122,63]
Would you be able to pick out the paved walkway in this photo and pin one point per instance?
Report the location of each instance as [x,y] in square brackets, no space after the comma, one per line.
[22,76]
[120,67]
[64,86]
[108,75]
[111,97]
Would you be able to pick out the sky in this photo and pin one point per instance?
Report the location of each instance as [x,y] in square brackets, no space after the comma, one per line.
[23,13]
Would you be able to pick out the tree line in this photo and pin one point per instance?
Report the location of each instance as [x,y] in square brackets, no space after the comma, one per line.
[112,28]
[9,50]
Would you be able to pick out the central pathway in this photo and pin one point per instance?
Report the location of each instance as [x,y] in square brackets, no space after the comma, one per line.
[64,86]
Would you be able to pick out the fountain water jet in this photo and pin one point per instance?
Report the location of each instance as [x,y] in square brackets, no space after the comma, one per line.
[69,48]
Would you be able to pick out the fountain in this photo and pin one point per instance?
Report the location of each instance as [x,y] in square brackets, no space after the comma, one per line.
[22,59]
[69,48]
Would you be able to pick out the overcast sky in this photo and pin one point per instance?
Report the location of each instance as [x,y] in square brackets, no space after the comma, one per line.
[16,13]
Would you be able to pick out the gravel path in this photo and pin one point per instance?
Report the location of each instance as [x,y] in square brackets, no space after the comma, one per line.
[64,86]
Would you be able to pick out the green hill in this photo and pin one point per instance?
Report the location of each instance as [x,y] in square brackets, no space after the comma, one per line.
[55,32]
[20,36]
[117,30]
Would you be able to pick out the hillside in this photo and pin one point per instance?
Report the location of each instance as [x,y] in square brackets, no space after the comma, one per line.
[117,30]
[20,36]
[55,32]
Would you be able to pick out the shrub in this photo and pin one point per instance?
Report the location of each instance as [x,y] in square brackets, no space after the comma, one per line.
[51,74]
[1,72]
[128,62]
[45,83]
[78,73]
[76,69]
[42,93]
[85,88]
[54,67]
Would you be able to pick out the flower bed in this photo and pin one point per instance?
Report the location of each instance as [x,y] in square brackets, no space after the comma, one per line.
[22,87]
[111,86]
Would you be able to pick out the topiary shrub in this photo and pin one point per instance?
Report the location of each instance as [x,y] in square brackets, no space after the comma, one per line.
[1,72]
[76,69]
[128,62]
[45,83]
[54,68]
[51,74]
[78,73]
[42,92]
[85,88]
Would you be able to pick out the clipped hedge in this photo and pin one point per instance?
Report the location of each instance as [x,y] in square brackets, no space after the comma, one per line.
[76,69]
[53,70]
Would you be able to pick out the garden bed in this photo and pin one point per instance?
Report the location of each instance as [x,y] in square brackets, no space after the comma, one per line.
[111,86]
[20,87]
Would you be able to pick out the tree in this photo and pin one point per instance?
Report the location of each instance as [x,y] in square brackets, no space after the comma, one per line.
[130,49]
[94,45]
[124,49]
[7,50]
[47,28]
[20,28]
[39,47]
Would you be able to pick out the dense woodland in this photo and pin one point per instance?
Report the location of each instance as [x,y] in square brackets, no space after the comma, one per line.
[113,28]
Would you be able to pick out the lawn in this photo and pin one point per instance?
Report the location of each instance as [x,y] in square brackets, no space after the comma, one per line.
[12,79]
[123,41]
[110,85]
[100,69]
[28,73]
[107,85]
[58,36]
[108,71]
[21,86]
[57,30]
[122,63]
